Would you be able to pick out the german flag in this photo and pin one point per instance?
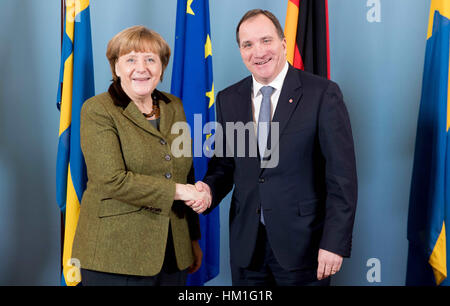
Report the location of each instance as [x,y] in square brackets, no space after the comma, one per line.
[306,32]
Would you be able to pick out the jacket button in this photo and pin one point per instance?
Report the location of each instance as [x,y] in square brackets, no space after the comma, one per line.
[168,175]
[167,157]
[163,142]
[261,180]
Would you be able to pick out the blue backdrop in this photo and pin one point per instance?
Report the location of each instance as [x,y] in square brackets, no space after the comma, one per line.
[378,66]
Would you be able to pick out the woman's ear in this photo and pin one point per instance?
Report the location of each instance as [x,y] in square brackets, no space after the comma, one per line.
[116,66]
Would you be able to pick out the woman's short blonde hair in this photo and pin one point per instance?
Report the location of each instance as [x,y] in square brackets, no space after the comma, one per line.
[138,39]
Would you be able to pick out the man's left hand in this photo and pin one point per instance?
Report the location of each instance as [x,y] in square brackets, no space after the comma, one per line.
[329,264]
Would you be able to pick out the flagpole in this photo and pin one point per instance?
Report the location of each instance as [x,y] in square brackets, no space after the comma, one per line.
[62,20]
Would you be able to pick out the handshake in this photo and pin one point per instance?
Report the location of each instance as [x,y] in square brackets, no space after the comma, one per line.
[198,196]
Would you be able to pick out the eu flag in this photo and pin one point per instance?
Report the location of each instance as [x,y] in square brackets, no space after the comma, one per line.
[76,86]
[192,81]
[428,219]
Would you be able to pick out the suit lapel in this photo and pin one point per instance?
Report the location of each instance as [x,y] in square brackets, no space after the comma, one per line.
[133,113]
[244,111]
[167,115]
[290,96]
[244,106]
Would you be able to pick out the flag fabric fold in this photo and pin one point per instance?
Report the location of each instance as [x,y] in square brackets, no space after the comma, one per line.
[428,217]
[76,85]
[192,81]
[307,38]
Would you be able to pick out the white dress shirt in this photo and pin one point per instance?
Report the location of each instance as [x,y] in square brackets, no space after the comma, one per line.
[277,83]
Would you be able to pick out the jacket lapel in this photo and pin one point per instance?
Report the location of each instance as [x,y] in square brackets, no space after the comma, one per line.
[290,96]
[133,113]
[244,111]
[166,116]
[244,106]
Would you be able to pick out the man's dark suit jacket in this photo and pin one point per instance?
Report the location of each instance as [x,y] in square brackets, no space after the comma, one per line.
[309,198]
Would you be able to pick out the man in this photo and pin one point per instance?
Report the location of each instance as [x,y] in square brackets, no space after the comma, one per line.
[290,224]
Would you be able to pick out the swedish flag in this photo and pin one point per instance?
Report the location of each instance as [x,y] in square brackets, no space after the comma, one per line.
[76,86]
[192,81]
[429,210]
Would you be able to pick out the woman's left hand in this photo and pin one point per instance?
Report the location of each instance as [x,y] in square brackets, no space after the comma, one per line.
[198,255]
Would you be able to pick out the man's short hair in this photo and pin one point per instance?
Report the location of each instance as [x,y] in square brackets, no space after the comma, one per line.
[256,12]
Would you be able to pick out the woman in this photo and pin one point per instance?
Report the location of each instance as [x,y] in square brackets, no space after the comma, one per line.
[133,227]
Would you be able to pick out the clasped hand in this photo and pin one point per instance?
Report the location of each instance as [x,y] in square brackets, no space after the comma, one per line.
[198,196]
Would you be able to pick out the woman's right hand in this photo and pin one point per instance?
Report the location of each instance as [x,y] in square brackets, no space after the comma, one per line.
[192,197]
[187,192]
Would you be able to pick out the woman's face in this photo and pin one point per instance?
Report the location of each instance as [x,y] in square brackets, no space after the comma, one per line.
[139,73]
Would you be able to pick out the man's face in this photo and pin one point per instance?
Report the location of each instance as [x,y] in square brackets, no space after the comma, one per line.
[262,50]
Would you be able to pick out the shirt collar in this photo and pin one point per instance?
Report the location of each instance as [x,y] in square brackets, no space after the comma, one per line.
[277,83]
